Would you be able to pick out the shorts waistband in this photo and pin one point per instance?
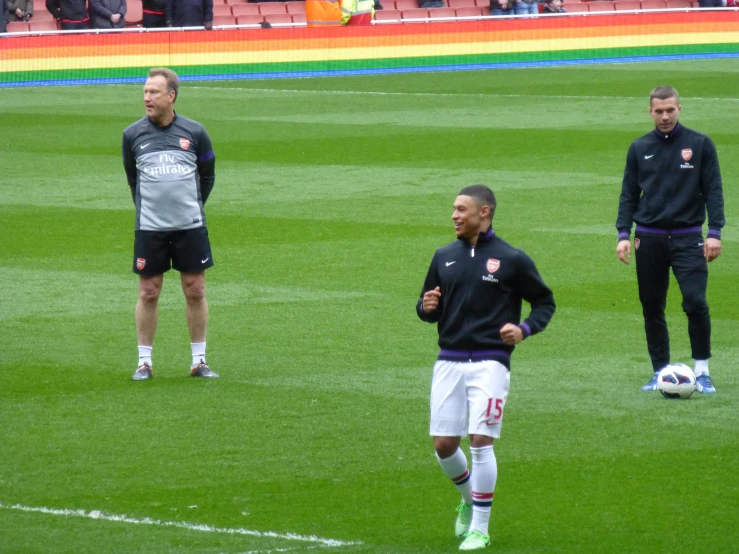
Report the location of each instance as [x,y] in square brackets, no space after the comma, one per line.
[669,232]
[502,356]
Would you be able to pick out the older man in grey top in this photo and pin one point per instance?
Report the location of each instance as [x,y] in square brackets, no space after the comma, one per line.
[170,165]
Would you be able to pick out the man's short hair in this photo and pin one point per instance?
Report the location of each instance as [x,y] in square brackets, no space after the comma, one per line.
[482,196]
[663,92]
[173,82]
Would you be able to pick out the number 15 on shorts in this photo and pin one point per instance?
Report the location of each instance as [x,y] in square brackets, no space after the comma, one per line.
[495,410]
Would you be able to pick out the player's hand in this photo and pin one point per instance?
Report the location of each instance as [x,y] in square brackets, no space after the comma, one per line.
[712,249]
[511,334]
[623,249]
[431,299]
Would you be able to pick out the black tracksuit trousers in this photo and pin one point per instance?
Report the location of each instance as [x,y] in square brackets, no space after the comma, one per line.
[655,255]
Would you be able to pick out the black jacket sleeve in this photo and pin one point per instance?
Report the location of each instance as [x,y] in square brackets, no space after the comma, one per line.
[206,165]
[712,189]
[532,289]
[54,8]
[129,164]
[432,281]
[98,8]
[630,194]
[207,11]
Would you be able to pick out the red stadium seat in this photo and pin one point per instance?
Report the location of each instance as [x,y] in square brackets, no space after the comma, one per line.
[578,7]
[223,20]
[298,17]
[272,7]
[42,15]
[678,4]
[469,12]
[43,26]
[415,13]
[278,18]
[295,7]
[653,5]
[221,10]
[627,5]
[17,27]
[245,9]
[39,5]
[482,4]
[251,19]
[601,6]
[442,13]
[218,2]
[405,4]
[485,11]
[235,2]
[387,4]
[387,15]
[461,3]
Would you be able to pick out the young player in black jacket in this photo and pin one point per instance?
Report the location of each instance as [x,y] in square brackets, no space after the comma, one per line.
[474,290]
[671,179]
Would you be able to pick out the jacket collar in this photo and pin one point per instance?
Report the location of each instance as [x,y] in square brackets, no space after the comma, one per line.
[671,134]
[485,236]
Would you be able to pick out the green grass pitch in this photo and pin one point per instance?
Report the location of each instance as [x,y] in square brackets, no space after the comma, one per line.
[331,196]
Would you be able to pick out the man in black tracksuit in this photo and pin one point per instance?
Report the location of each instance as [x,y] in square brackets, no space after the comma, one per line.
[71,14]
[671,179]
[474,290]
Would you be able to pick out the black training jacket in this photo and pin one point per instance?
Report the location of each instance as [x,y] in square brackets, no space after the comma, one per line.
[669,183]
[481,290]
[155,6]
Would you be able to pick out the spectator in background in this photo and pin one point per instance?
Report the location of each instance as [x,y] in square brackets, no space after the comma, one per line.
[107,14]
[20,10]
[71,14]
[501,7]
[554,6]
[357,12]
[190,13]
[3,16]
[154,13]
[525,7]
[712,3]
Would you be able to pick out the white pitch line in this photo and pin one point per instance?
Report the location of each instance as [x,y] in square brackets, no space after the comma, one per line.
[96,514]
[442,94]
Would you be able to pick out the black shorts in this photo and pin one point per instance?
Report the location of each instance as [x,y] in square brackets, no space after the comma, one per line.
[188,251]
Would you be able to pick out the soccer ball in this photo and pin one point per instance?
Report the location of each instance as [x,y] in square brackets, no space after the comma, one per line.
[676,381]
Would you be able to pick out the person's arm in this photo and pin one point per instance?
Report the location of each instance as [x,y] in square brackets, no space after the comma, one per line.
[630,194]
[123,8]
[29,8]
[533,290]
[206,165]
[54,8]
[129,164]
[169,12]
[430,305]
[208,14]
[98,8]
[712,189]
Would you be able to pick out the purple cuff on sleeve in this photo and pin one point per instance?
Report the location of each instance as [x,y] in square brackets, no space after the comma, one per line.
[623,236]
[525,328]
[714,234]
[207,156]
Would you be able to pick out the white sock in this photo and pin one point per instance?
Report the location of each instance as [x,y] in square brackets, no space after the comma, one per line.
[484,476]
[145,355]
[701,368]
[198,353]
[455,467]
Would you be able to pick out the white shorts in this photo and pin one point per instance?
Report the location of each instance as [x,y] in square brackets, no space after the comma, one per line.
[468,398]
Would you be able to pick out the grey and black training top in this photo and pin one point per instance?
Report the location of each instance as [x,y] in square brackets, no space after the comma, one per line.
[171,171]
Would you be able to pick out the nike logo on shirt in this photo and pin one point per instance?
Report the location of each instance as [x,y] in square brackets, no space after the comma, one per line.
[144,145]
[650,156]
[205,260]
[450,263]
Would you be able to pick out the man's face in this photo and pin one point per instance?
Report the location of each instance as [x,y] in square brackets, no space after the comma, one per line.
[157,99]
[665,113]
[467,217]
[556,4]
